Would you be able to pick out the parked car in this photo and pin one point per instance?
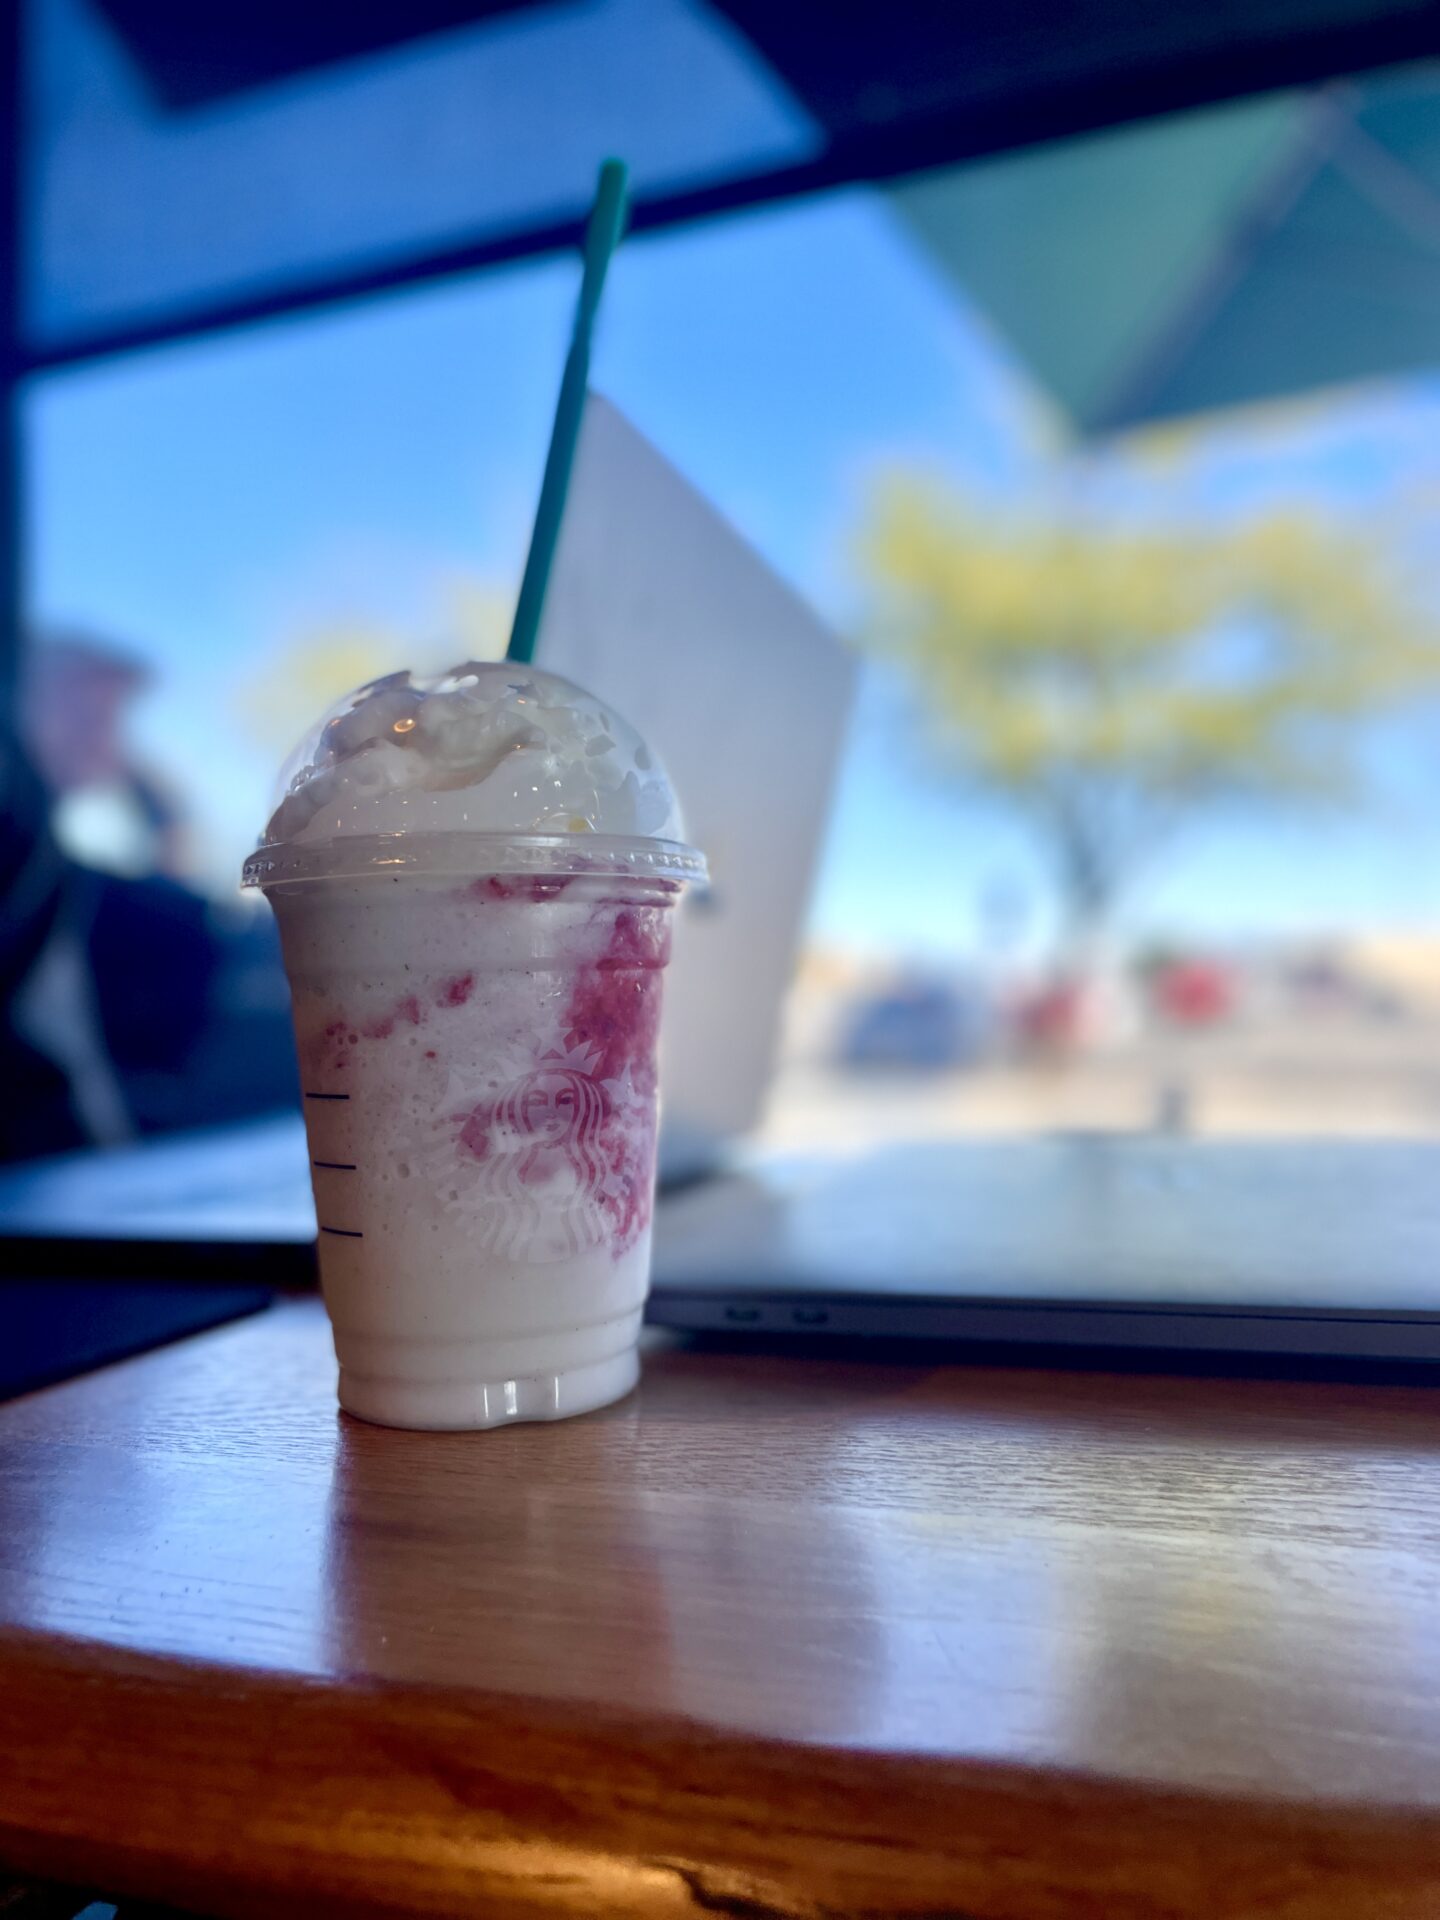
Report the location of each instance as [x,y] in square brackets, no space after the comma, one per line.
[916,1024]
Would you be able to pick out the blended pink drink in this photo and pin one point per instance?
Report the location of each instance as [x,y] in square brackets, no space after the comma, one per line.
[477,992]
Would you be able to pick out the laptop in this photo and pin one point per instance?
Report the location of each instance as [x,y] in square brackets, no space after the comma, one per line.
[1306,1248]
[1294,1248]
[658,602]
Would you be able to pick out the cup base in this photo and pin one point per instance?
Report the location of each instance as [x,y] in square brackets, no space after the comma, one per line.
[454,1406]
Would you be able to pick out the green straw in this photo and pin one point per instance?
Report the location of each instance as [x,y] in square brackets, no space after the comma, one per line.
[602,236]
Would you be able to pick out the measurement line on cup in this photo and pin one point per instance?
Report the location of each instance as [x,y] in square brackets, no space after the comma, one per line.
[344,1233]
[336,1166]
[327,1096]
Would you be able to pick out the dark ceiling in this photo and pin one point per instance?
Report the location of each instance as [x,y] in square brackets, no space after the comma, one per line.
[911,81]
[895,88]
[196,51]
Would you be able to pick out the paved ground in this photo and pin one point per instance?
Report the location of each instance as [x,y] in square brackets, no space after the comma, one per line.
[1301,1078]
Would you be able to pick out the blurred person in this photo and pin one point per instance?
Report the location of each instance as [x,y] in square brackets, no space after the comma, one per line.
[137,993]
[77,691]
[60,1089]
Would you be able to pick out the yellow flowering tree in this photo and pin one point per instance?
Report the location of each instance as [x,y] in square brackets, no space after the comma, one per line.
[1110,680]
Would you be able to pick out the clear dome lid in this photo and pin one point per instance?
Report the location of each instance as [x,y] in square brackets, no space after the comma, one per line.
[489,767]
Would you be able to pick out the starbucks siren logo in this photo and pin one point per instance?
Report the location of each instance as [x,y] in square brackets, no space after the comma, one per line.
[520,1153]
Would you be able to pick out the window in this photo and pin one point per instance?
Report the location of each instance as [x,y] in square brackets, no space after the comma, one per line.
[1139,824]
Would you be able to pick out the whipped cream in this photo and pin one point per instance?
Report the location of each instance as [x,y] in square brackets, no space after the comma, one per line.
[486,747]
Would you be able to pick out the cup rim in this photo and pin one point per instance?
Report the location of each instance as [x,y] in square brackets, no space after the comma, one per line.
[474,856]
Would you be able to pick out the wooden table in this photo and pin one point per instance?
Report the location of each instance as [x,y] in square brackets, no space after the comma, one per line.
[777,1637]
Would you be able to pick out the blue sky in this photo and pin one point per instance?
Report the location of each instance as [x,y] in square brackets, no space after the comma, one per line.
[210,505]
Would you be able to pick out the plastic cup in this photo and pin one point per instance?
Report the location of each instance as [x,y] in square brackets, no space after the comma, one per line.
[478,1063]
